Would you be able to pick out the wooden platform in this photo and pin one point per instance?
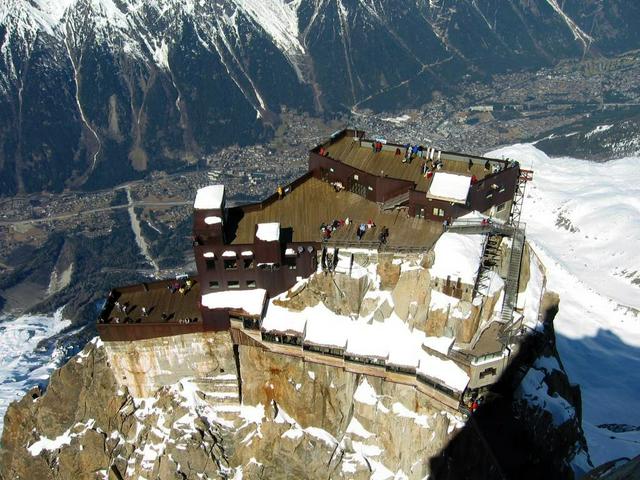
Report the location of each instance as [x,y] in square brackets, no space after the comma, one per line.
[388,163]
[302,212]
[157,299]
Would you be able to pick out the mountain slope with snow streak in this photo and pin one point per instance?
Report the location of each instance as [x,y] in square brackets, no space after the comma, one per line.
[583,220]
[154,85]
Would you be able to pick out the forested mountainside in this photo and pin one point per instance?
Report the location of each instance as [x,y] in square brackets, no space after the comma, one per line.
[94,92]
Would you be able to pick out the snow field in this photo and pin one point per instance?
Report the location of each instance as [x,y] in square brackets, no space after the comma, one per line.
[583,221]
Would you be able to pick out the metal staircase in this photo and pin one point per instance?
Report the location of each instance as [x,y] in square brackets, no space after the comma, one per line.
[518,197]
[395,201]
[513,276]
[490,259]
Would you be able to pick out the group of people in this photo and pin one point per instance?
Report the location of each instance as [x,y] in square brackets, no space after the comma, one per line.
[376,146]
[363,227]
[328,229]
[181,287]
[430,166]
[475,403]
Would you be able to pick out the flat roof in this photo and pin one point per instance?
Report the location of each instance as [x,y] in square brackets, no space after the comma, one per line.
[157,298]
[302,211]
[348,151]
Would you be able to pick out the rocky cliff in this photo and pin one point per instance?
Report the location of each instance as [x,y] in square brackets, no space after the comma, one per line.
[196,407]
[206,406]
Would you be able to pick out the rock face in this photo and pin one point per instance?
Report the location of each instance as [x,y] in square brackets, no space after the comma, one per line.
[296,420]
[275,417]
[199,406]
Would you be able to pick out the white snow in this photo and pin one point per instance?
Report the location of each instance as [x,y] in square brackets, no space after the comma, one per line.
[229,254]
[24,362]
[368,340]
[582,220]
[209,198]
[439,344]
[279,19]
[279,319]
[209,255]
[326,328]
[450,187]
[268,232]
[213,220]
[289,251]
[356,428]
[598,129]
[365,393]
[44,443]
[250,301]
[50,444]
[458,256]
[247,253]
[535,391]
[440,301]
[529,300]
[446,371]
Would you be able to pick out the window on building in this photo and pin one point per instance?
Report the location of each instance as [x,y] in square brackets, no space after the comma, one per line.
[356,177]
[490,195]
[248,262]
[251,284]
[438,212]
[233,284]
[230,264]
[214,284]
[488,372]
[420,213]
[211,264]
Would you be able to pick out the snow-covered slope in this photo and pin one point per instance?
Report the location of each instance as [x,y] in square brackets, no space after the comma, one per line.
[583,219]
[29,354]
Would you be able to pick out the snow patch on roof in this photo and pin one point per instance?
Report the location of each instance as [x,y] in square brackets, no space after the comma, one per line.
[283,320]
[209,198]
[445,371]
[251,301]
[439,344]
[213,220]
[450,186]
[268,232]
[368,340]
[326,328]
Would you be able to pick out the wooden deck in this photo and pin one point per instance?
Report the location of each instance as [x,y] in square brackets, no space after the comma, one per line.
[158,300]
[388,163]
[302,211]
